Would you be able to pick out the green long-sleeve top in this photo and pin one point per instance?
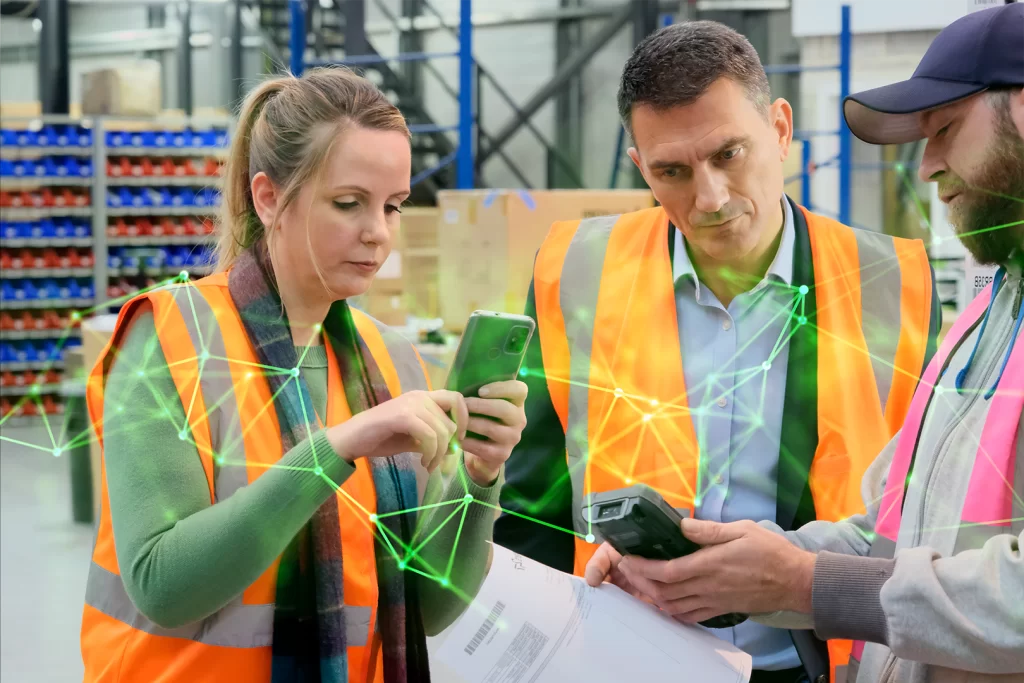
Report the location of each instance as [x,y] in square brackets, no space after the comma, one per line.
[182,558]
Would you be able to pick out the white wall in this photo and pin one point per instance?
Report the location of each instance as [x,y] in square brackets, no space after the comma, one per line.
[822,17]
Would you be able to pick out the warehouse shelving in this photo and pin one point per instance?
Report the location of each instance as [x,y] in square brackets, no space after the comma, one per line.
[121,159]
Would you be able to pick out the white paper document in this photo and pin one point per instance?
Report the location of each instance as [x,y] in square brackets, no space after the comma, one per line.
[533,624]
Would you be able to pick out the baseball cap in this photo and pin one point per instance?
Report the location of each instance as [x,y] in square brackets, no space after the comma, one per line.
[982,50]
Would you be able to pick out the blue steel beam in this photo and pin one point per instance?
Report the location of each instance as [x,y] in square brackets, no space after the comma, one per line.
[845,137]
[359,60]
[464,153]
[297,42]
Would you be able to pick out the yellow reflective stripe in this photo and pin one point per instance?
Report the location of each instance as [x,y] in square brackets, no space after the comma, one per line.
[880,284]
[579,288]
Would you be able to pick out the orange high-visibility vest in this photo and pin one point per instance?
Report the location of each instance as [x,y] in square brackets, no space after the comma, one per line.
[610,343]
[233,424]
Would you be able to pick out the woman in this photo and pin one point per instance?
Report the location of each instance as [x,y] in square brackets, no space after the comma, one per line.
[265,446]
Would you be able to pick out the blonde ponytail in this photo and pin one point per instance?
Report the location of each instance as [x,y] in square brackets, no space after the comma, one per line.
[285,129]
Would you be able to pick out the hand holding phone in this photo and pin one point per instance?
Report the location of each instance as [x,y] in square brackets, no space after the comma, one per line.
[638,521]
[490,355]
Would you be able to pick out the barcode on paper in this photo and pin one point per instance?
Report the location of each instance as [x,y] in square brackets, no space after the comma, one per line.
[489,623]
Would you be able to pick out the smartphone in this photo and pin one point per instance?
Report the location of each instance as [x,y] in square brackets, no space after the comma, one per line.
[638,521]
[492,349]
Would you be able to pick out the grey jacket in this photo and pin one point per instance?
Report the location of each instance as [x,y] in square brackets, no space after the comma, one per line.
[929,615]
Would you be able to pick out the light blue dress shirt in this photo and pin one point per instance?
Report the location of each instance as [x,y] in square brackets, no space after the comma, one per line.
[734,362]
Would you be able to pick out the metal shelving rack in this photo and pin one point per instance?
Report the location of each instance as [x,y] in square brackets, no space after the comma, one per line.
[98,184]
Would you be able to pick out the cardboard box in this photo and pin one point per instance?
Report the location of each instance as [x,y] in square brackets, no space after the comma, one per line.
[129,90]
[420,267]
[488,240]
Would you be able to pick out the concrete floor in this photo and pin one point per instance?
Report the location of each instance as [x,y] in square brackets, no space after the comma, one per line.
[44,558]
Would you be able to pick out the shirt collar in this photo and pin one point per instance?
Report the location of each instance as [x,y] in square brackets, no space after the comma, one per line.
[781,268]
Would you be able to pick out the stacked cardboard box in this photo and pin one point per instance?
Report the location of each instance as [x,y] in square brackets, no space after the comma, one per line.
[488,240]
[407,282]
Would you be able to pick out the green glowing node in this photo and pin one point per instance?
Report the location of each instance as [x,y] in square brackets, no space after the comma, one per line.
[317,327]
[629,481]
[373,519]
[401,565]
[619,392]
[183,435]
[766,365]
[318,471]
[590,538]
[183,275]
[57,452]
[654,402]
[804,289]
[647,417]
[523,372]
[939,389]
[295,372]
[802,320]
[248,375]
[444,582]
[219,459]
[75,315]
[140,373]
[468,498]
[35,390]
[204,355]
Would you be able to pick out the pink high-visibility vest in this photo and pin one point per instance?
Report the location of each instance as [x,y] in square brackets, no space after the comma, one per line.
[988,507]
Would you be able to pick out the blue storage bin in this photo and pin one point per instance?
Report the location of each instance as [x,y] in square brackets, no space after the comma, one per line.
[181,138]
[25,290]
[37,230]
[84,136]
[6,167]
[7,353]
[70,166]
[53,352]
[70,289]
[210,138]
[56,228]
[46,137]
[7,290]
[64,136]
[117,138]
[23,230]
[184,197]
[44,349]
[154,261]
[8,231]
[129,259]
[24,352]
[8,137]
[47,230]
[163,138]
[25,138]
[114,257]
[82,227]
[135,138]
[161,197]
[141,199]
[197,139]
[55,167]
[221,137]
[179,257]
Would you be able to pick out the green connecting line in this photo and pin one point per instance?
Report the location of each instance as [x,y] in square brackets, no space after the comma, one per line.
[455,545]
[531,519]
[421,508]
[414,552]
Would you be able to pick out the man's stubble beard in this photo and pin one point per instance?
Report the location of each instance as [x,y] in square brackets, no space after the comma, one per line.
[995,198]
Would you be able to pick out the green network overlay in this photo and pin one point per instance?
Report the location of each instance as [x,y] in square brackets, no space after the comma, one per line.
[649,412]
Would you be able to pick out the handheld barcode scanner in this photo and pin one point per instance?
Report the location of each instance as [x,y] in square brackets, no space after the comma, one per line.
[638,521]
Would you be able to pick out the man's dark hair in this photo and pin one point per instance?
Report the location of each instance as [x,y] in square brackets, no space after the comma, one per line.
[677,64]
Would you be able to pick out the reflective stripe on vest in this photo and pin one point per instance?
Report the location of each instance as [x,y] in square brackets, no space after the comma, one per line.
[991,507]
[610,342]
[203,339]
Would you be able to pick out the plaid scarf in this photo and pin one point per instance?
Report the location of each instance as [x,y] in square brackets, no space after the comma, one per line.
[309,644]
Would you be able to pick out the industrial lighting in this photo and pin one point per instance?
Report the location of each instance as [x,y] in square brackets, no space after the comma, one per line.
[37,25]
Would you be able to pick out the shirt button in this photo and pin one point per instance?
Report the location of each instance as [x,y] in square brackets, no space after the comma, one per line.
[722,402]
[727,325]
